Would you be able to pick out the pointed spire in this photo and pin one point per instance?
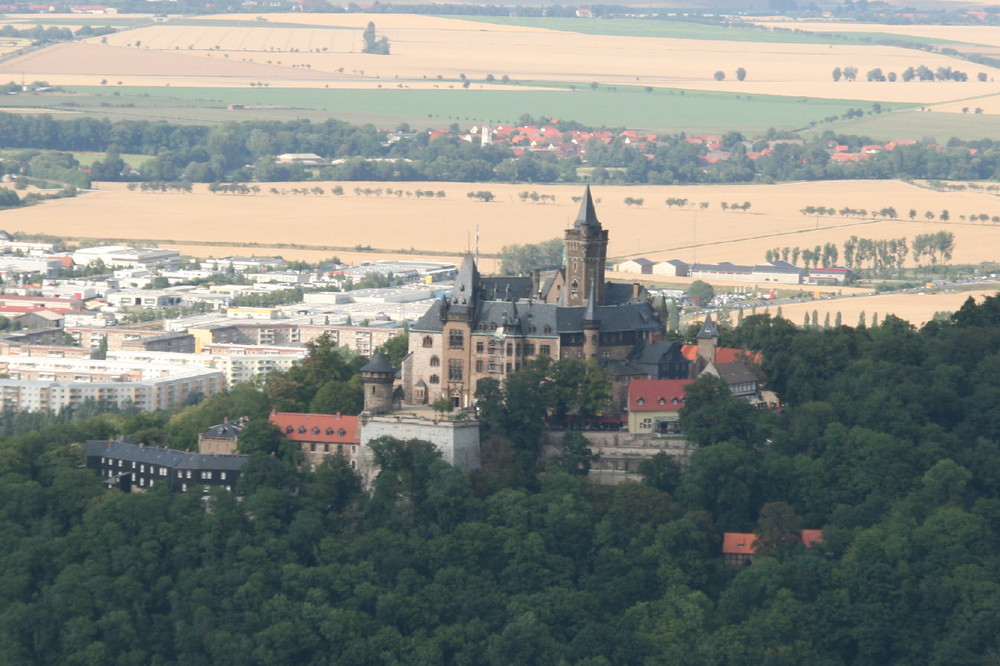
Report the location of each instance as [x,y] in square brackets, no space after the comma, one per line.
[379,364]
[466,283]
[587,217]
[708,329]
[590,314]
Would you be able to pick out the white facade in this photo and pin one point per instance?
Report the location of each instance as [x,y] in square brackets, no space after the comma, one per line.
[458,441]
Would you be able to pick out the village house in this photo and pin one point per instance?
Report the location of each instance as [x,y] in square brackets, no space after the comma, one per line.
[135,467]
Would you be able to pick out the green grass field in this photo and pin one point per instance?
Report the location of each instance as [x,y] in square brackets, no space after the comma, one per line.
[916,124]
[674,29]
[625,106]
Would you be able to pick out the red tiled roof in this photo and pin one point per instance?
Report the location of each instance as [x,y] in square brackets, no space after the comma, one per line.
[737,543]
[656,395]
[321,428]
[722,354]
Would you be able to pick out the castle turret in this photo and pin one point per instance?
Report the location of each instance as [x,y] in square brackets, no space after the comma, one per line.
[708,340]
[586,256]
[378,376]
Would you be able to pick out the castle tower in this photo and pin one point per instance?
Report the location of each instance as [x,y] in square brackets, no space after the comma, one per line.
[708,340]
[586,255]
[377,377]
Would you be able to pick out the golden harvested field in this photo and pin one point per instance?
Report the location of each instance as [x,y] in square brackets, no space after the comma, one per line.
[914,308]
[326,53]
[435,226]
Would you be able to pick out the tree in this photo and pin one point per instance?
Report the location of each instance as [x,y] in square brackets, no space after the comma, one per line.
[720,75]
[575,456]
[837,73]
[712,414]
[741,74]
[701,293]
[779,531]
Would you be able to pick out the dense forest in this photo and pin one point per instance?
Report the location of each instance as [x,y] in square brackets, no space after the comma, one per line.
[888,443]
[41,147]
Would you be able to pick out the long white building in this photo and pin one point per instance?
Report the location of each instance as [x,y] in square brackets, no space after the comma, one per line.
[35,383]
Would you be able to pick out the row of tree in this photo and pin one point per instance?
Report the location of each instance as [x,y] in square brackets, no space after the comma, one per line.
[921,73]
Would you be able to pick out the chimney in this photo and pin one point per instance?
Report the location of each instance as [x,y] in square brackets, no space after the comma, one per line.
[635,289]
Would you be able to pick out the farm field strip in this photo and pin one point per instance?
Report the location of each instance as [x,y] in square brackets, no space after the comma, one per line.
[433,227]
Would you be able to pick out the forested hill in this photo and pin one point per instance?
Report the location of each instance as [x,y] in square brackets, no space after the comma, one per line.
[889,444]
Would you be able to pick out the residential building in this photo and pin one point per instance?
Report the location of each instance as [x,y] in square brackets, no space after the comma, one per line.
[320,435]
[739,548]
[136,467]
[222,438]
[654,405]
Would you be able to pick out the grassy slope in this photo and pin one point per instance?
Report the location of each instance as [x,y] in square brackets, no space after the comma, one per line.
[626,106]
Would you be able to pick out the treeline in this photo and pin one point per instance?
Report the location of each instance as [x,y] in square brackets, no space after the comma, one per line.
[875,254]
[244,152]
[520,563]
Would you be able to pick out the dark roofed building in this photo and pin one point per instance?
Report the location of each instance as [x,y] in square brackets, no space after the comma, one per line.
[134,467]
[222,438]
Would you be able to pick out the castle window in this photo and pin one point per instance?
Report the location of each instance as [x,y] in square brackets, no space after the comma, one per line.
[529,349]
[456,340]
[479,366]
[428,341]
[545,350]
[479,346]
[434,379]
[547,330]
[455,370]
[435,362]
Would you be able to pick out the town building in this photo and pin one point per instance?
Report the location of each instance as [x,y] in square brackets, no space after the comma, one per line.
[654,405]
[320,435]
[222,438]
[135,467]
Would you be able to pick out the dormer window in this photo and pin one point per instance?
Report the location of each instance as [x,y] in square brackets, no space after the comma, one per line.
[289,430]
[302,430]
[315,430]
[662,401]
[329,431]
[640,401]
[675,401]
[341,432]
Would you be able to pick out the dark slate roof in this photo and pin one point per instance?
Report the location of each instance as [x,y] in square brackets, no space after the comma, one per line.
[227,430]
[643,261]
[652,352]
[379,364]
[617,293]
[587,217]
[708,329]
[463,294]
[221,461]
[151,455]
[503,288]
[624,368]
[735,373]
[430,322]
[123,450]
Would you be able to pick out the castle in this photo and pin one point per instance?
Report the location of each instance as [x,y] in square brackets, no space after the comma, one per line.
[492,326]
